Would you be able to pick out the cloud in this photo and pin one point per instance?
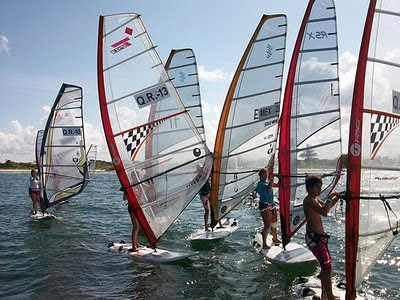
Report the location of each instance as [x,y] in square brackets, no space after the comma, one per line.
[18,145]
[4,45]
[214,75]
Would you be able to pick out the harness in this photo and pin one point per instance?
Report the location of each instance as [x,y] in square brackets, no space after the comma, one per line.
[313,239]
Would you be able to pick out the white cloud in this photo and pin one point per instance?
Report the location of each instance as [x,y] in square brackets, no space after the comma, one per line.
[18,145]
[214,75]
[4,45]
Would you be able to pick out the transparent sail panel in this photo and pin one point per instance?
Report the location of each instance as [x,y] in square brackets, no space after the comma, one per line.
[380,173]
[315,136]
[252,111]
[64,169]
[182,70]
[164,158]
[38,148]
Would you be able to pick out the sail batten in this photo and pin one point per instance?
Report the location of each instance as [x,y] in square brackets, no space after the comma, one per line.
[63,161]
[152,140]
[373,171]
[310,118]
[247,130]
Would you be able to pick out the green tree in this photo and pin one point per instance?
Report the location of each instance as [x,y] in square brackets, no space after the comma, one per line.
[309,155]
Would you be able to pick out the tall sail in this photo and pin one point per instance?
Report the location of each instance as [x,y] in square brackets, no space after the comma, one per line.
[247,130]
[38,147]
[373,171]
[63,170]
[181,66]
[153,142]
[310,134]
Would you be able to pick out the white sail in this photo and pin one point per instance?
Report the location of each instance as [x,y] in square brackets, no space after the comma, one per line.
[310,124]
[181,66]
[154,144]
[38,147]
[247,131]
[373,172]
[63,160]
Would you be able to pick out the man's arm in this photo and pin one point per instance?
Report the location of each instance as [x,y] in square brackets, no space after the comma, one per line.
[319,206]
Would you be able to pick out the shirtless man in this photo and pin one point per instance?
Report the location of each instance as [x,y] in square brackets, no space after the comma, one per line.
[316,237]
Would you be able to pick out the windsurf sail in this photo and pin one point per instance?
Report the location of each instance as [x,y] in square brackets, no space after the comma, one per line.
[38,147]
[373,169]
[158,154]
[310,128]
[181,66]
[247,130]
[91,158]
[63,167]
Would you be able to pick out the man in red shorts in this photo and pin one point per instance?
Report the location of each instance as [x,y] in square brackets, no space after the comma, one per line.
[316,237]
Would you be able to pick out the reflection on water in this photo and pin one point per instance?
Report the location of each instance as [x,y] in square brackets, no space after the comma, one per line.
[67,257]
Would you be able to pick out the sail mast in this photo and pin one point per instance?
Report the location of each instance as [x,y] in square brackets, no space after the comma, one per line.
[63,172]
[310,119]
[153,143]
[354,158]
[284,133]
[247,130]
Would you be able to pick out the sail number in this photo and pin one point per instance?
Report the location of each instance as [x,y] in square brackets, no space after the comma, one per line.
[151,96]
[396,101]
[267,112]
[68,131]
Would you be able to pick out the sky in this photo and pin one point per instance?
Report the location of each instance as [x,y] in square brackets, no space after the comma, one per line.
[44,43]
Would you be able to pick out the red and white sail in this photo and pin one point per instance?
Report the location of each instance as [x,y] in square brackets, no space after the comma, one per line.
[373,169]
[310,128]
[158,154]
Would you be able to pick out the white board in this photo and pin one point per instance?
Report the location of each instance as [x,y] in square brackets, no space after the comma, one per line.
[41,216]
[294,254]
[312,286]
[150,254]
[230,226]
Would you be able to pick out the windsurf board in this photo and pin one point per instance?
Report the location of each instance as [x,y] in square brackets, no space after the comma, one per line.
[294,254]
[230,225]
[41,216]
[150,254]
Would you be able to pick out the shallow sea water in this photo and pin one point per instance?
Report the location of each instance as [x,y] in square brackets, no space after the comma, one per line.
[67,257]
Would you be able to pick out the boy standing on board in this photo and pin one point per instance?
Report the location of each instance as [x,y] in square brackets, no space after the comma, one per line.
[316,237]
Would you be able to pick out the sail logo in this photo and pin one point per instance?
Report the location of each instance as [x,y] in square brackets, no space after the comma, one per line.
[386,178]
[317,35]
[182,76]
[355,148]
[123,43]
[269,51]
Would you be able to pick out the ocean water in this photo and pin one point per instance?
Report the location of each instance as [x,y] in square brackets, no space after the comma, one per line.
[67,257]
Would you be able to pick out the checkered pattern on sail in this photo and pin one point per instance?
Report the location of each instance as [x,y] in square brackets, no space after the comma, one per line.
[134,138]
[380,127]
